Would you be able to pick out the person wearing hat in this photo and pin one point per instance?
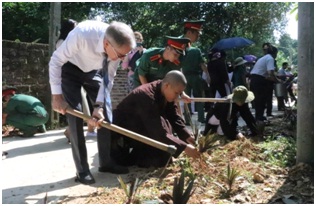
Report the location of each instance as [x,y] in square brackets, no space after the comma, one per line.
[24,112]
[155,63]
[221,116]
[151,110]
[193,65]
[239,73]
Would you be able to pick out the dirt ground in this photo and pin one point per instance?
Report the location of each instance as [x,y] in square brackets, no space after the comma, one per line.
[258,181]
[40,170]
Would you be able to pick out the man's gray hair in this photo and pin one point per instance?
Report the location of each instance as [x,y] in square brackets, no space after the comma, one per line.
[120,34]
[175,78]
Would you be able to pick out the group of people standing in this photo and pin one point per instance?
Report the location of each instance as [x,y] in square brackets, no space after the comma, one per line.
[89,56]
[260,79]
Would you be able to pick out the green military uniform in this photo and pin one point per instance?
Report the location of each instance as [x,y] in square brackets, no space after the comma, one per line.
[26,113]
[192,71]
[191,68]
[153,66]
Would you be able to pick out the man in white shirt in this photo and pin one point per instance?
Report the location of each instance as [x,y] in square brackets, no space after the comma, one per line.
[262,72]
[77,63]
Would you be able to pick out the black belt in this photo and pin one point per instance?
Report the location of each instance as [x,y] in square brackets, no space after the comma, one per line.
[257,75]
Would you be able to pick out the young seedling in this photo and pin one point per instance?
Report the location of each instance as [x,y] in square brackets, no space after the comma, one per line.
[232,174]
[130,190]
[180,195]
[207,142]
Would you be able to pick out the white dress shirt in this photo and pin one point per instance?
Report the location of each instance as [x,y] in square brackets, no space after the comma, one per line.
[263,65]
[84,48]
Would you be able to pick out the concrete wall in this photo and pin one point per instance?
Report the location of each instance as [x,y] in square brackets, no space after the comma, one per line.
[25,66]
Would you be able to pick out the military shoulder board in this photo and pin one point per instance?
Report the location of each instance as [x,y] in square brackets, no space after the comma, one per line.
[176,62]
[155,57]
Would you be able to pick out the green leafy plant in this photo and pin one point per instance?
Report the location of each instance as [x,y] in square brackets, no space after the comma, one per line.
[231,176]
[187,168]
[130,189]
[181,195]
[207,142]
[280,151]
[196,130]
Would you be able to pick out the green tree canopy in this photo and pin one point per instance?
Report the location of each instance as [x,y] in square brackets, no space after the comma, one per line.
[253,20]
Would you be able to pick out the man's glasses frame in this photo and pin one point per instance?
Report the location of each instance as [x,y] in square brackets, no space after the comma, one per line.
[118,55]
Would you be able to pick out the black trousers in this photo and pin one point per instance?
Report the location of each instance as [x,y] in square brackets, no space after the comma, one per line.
[258,85]
[73,78]
[270,88]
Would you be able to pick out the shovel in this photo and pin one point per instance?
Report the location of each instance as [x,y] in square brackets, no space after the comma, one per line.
[221,100]
[146,140]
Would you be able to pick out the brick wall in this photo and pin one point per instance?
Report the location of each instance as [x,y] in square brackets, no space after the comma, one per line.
[25,66]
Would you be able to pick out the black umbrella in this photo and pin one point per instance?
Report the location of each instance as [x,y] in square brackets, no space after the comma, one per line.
[232,43]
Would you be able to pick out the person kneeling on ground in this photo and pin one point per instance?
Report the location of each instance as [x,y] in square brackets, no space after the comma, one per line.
[219,115]
[24,112]
[151,110]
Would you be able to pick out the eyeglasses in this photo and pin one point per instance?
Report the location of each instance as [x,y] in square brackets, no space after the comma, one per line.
[118,55]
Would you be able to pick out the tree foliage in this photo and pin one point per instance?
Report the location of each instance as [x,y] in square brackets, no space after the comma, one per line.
[288,47]
[25,21]
[253,20]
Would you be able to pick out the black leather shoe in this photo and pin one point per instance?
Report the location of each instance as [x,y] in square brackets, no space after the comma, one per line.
[116,169]
[85,178]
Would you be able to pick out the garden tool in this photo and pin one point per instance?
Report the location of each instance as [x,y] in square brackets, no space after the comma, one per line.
[146,140]
[220,100]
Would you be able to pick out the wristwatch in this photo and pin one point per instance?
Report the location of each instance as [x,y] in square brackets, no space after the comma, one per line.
[98,105]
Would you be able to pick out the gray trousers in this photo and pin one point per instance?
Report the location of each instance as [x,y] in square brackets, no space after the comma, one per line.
[73,79]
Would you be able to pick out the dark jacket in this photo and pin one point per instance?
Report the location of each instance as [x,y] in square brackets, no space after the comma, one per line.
[145,111]
[229,125]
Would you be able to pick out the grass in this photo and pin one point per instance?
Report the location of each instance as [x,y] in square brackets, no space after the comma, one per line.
[280,151]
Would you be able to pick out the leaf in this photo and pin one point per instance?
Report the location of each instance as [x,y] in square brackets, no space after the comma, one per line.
[123,185]
[207,142]
[176,192]
[188,193]
[179,196]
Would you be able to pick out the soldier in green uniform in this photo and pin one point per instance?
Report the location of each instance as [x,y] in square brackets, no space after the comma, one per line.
[24,112]
[157,62]
[192,67]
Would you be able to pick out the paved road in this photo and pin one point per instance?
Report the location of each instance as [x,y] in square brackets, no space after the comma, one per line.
[43,164]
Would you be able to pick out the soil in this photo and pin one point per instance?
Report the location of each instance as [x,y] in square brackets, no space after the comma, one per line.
[258,180]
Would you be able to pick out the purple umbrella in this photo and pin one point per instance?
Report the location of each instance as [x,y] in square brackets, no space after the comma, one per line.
[232,43]
[250,58]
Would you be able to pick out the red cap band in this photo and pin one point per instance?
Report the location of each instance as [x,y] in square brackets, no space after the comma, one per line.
[193,26]
[8,92]
[176,44]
